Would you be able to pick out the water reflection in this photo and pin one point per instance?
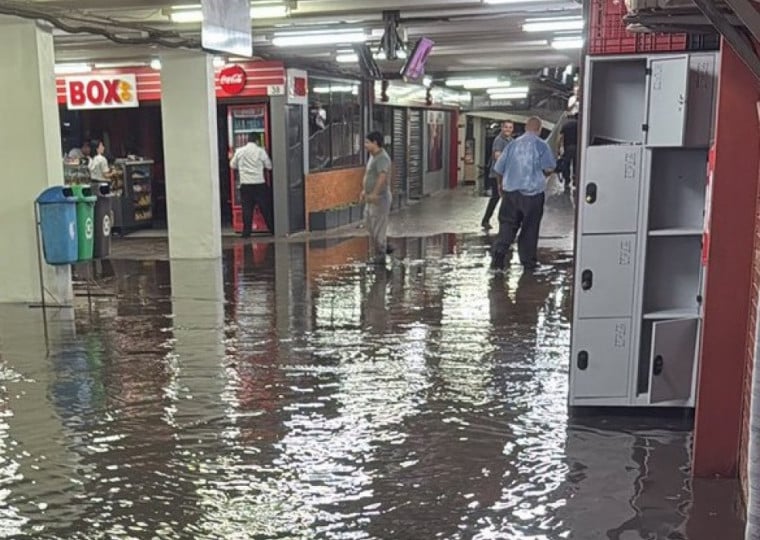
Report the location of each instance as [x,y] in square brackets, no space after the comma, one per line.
[287,391]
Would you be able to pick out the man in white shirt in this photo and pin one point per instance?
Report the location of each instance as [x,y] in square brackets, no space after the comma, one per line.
[250,162]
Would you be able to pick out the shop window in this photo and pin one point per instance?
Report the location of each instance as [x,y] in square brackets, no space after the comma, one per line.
[335,126]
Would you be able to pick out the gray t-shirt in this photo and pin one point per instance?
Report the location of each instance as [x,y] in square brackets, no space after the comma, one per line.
[498,145]
[381,163]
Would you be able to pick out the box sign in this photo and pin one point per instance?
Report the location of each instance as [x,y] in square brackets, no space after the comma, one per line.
[101,92]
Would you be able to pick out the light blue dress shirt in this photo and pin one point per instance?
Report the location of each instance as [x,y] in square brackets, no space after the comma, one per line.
[522,165]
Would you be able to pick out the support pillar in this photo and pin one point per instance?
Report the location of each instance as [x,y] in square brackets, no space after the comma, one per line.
[188,111]
[31,153]
[280,176]
[718,431]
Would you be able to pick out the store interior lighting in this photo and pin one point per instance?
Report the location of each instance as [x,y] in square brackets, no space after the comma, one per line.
[155,64]
[72,69]
[513,95]
[325,37]
[473,83]
[567,43]
[219,62]
[513,90]
[553,24]
[194,14]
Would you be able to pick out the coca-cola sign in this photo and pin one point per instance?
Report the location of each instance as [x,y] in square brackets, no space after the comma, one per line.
[232,79]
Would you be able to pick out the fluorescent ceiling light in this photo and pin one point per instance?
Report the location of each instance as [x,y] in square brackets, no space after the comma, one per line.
[479,85]
[552,25]
[563,44]
[71,69]
[427,81]
[471,81]
[513,90]
[194,14]
[353,58]
[305,40]
[509,1]
[522,95]
[336,88]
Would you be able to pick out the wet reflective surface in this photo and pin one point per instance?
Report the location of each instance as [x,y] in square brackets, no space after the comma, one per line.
[292,393]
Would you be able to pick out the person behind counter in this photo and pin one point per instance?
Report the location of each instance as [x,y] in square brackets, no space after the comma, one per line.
[80,152]
[99,169]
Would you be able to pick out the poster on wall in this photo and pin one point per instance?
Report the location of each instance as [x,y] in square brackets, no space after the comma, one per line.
[435,127]
[227,27]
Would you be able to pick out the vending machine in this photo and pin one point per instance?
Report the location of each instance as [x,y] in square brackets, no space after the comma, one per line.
[243,120]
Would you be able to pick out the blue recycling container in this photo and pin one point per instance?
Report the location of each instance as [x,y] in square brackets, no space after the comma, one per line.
[58,224]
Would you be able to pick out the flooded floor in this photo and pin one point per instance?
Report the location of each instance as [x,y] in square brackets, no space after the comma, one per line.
[292,392]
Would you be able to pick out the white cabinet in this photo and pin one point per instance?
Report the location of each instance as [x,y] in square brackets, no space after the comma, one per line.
[604,286]
[610,189]
[601,355]
[639,280]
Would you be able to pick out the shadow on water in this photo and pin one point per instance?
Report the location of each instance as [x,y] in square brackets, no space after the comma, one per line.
[293,392]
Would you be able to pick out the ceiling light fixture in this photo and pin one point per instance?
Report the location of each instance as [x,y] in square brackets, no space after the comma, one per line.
[513,90]
[510,1]
[479,85]
[472,81]
[353,58]
[305,40]
[568,43]
[427,81]
[521,95]
[194,14]
[155,64]
[72,69]
[552,25]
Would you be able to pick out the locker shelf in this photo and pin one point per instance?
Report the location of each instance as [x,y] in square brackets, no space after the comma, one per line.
[676,232]
[614,83]
[673,271]
[677,197]
[670,314]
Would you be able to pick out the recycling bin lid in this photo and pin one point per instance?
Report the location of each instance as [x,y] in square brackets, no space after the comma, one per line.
[56,194]
[83,193]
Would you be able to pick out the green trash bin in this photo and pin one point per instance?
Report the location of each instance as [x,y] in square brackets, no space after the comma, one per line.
[85,220]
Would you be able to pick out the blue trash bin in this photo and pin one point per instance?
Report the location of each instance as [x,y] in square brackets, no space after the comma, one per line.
[58,224]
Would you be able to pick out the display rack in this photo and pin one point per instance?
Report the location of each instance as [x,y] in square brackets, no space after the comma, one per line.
[132,186]
[639,276]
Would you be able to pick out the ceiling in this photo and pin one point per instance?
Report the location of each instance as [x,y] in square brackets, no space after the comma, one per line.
[471,37]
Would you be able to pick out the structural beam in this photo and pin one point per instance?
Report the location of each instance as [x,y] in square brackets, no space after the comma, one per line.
[734,37]
[748,15]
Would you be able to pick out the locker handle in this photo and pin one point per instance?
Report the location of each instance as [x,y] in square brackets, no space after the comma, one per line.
[583,360]
[659,365]
[591,193]
[587,280]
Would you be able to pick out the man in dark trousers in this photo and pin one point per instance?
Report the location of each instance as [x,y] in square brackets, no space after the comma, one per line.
[497,147]
[568,143]
[523,166]
[250,162]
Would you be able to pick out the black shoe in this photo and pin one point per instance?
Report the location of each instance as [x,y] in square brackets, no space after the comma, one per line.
[498,261]
[486,226]
[389,250]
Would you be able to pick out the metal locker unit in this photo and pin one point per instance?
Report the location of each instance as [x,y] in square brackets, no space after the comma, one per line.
[399,151]
[638,290]
[611,187]
[415,173]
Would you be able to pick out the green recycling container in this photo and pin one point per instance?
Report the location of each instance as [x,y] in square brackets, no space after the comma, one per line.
[85,220]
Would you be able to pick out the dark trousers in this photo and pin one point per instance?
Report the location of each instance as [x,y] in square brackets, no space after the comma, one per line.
[519,213]
[253,195]
[493,202]
[568,160]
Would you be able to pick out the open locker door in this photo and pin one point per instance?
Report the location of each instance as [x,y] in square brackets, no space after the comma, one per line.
[673,354]
[668,98]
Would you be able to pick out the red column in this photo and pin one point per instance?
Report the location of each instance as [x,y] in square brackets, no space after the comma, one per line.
[454,151]
[728,297]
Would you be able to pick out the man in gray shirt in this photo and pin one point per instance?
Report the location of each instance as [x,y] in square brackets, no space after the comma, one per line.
[497,147]
[377,196]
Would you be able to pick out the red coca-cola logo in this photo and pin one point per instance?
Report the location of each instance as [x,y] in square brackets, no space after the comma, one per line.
[232,79]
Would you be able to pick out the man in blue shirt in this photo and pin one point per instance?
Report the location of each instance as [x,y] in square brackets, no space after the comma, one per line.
[523,167]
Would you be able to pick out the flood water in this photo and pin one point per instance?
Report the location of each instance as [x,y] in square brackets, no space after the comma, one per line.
[290,393]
